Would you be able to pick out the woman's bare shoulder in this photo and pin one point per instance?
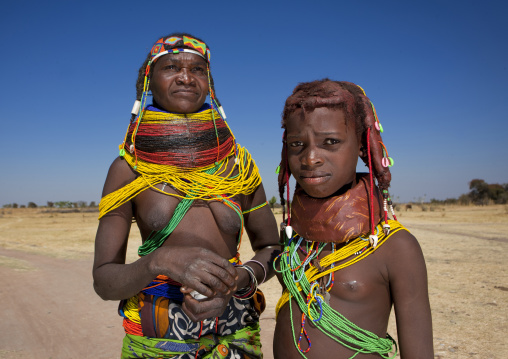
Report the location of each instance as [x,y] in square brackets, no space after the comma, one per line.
[119,174]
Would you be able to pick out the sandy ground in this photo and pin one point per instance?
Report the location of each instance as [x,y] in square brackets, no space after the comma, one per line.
[51,311]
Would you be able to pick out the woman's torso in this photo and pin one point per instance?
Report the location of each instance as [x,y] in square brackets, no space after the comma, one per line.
[209,224]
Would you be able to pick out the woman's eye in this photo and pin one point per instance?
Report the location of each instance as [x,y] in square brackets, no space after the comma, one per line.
[199,70]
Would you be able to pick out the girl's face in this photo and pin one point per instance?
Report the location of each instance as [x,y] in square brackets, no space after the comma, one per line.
[323,150]
[179,82]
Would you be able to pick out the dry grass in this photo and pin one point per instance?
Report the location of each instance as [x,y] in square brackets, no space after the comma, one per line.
[465,249]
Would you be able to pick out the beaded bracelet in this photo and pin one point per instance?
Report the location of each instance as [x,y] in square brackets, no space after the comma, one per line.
[262,266]
[251,289]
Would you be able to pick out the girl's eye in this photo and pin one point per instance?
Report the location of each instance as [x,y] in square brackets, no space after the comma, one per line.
[295,144]
[331,141]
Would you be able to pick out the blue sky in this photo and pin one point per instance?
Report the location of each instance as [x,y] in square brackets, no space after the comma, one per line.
[435,70]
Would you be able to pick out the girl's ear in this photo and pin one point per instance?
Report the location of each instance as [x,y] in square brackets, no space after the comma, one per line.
[363,151]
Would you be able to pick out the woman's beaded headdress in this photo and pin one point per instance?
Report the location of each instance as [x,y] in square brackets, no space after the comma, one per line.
[164,46]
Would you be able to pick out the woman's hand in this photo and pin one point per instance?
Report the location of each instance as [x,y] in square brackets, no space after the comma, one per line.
[210,307]
[197,268]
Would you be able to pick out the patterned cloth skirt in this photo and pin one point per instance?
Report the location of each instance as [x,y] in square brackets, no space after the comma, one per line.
[156,326]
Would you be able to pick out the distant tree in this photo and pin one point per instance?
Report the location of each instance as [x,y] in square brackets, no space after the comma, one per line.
[32,205]
[483,192]
[497,193]
[64,204]
[81,204]
[22,206]
[451,201]
[14,205]
[92,204]
[479,191]
[8,205]
[465,199]
[504,196]
[272,202]
[50,204]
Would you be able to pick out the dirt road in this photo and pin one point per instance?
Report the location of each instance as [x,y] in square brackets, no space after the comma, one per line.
[51,311]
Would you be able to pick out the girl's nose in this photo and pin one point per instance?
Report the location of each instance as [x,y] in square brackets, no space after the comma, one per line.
[312,157]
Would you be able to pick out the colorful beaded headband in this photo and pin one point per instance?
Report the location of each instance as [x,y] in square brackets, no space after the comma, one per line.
[175,44]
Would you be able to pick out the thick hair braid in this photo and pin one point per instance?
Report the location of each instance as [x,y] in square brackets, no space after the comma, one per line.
[382,173]
[357,107]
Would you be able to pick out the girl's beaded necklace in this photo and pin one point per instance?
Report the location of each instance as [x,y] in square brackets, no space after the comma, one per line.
[304,275]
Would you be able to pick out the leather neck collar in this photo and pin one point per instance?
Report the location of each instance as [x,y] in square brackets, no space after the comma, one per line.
[337,218]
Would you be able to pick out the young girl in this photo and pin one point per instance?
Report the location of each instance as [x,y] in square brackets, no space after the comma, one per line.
[344,262]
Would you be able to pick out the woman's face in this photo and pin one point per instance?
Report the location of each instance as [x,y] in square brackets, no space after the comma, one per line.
[323,150]
[179,82]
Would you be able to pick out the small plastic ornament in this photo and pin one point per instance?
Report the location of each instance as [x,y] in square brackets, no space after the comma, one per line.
[373,239]
[198,296]
[387,162]
[386,229]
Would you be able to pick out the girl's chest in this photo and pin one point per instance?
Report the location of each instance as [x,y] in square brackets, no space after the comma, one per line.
[349,279]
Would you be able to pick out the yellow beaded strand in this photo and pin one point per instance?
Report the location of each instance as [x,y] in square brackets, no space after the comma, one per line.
[184,180]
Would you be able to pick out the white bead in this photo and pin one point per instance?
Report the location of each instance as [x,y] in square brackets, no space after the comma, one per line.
[135,108]
[289,231]
[223,114]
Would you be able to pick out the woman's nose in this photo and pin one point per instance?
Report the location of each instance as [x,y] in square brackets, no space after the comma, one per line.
[184,76]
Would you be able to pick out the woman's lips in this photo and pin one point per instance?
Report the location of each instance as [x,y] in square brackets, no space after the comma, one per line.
[184,92]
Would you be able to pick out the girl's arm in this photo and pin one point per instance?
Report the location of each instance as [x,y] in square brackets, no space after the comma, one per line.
[408,285]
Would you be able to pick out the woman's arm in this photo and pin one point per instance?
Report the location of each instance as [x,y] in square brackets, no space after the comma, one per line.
[408,284]
[261,227]
[197,268]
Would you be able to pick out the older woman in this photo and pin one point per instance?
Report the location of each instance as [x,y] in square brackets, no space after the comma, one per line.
[191,189]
